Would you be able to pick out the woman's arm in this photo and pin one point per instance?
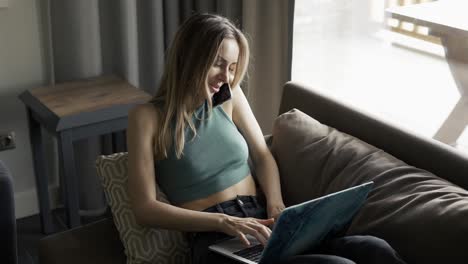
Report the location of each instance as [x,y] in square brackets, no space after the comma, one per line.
[265,165]
[149,211]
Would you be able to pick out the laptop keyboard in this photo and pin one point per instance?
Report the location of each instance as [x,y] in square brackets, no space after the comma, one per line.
[252,253]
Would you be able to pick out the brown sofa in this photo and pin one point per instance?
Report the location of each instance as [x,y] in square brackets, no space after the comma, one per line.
[99,242]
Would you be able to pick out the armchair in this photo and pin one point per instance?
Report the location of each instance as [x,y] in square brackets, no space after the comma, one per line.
[8,238]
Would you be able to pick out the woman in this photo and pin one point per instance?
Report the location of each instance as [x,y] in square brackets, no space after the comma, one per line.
[198,152]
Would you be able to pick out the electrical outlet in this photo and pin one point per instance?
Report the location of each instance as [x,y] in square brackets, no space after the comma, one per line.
[7,140]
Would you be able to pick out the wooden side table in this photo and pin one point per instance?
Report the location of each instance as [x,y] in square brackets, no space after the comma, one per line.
[72,111]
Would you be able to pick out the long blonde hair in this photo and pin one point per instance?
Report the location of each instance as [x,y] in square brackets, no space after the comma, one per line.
[192,53]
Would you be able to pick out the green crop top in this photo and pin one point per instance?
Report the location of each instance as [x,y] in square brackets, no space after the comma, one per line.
[213,161]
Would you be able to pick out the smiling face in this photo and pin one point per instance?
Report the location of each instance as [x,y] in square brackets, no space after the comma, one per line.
[224,66]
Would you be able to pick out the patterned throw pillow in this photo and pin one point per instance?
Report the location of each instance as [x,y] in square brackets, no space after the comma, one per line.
[142,244]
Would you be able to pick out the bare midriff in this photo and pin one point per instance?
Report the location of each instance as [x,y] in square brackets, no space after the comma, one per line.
[244,187]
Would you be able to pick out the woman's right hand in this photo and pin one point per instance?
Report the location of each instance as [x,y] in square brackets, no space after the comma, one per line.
[240,227]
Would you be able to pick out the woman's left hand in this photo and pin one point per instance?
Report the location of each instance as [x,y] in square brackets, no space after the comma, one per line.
[275,209]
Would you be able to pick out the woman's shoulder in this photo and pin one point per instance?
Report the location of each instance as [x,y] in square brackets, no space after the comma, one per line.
[144,109]
[143,116]
[238,97]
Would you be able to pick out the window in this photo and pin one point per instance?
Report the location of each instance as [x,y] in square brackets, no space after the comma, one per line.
[390,68]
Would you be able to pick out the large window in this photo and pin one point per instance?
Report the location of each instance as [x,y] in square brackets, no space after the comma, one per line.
[393,69]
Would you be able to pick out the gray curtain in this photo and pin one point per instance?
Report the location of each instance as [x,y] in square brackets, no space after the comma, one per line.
[127,38]
[269,27]
[123,37]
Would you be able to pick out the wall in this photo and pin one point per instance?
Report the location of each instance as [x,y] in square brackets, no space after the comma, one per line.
[22,66]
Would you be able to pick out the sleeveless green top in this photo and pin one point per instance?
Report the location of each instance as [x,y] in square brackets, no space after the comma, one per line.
[213,161]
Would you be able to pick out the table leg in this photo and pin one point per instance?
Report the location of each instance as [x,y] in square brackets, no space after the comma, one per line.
[68,176]
[456,53]
[455,123]
[40,172]
[106,142]
[119,143]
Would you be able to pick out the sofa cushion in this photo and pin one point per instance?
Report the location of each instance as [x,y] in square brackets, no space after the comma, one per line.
[142,244]
[421,215]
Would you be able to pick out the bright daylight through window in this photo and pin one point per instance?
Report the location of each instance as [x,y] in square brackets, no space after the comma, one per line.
[393,69]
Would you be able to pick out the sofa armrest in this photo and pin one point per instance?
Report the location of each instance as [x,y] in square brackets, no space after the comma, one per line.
[97,242]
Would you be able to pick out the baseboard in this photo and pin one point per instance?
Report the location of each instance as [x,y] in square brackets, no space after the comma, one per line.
[27,204]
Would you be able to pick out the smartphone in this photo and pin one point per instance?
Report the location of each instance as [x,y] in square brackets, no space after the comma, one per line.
[222,96]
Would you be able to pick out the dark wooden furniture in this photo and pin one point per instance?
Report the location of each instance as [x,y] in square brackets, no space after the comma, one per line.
[73,111]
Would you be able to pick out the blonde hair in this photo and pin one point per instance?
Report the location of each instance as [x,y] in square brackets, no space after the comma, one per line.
[192,53]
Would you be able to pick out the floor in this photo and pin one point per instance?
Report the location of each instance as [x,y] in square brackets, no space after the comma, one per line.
[29,234]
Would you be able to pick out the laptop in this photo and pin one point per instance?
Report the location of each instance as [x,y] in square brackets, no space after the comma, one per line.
[300,227]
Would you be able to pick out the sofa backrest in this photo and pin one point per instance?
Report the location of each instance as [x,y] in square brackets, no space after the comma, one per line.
[424,153]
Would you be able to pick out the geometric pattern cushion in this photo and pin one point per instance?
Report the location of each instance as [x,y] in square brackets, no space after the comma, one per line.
[142,244]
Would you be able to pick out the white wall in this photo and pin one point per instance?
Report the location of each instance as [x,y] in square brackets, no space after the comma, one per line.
[22,66]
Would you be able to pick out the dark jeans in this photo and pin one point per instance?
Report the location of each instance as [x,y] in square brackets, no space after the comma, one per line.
[345,249]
